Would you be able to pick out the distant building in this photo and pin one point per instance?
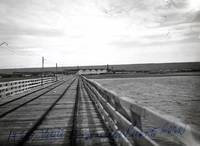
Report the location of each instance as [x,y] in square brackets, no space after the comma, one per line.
[92,71]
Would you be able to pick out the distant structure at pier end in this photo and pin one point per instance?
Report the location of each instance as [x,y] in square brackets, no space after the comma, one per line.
[92,71]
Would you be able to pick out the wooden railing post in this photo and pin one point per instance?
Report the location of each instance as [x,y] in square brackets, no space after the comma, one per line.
[136,120]
[124,110]
[13,87]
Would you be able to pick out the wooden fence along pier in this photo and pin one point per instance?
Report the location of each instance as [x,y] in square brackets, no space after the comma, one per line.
[78,111]
[13,87]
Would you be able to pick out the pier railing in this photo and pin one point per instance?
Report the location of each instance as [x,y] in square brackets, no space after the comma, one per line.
[14,87]
[129,116]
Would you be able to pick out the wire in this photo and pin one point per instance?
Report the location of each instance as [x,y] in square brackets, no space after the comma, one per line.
[16,53]
[3,44]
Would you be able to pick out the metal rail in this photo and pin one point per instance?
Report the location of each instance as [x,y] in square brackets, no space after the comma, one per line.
[84,104]
[101,116]
[74,121]
[121,140]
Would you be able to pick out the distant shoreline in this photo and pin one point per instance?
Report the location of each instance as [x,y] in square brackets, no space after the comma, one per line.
[151,67]
[137,75]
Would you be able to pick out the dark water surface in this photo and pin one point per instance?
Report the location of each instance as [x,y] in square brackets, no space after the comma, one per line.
[178,96]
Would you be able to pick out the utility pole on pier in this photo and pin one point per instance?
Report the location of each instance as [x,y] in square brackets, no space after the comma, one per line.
[42,74]
[56,71]
[62,72]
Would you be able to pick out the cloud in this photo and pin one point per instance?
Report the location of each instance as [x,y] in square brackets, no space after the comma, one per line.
[79,29]
[165,22]
[17,29]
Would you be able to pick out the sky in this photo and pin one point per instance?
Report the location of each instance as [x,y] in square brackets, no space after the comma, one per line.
[98,32]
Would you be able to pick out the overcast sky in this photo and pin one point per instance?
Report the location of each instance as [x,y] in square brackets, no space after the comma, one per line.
[87,32]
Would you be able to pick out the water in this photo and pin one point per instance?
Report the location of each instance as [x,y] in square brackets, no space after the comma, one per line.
[178,96]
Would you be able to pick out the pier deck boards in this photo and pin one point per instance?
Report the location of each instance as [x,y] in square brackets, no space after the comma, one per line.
[76,112]
[60,114]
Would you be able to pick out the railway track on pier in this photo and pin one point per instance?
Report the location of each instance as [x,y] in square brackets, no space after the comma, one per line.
[76,112]
[88,126]
[19,118]
[61,114]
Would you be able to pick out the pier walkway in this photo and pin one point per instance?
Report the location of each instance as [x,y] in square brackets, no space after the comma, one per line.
[76,111]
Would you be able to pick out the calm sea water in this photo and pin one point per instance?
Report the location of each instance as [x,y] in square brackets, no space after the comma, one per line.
[178,96]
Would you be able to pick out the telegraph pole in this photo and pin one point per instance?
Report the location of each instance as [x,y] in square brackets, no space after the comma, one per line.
[42,70]
[62,72]
[56,71]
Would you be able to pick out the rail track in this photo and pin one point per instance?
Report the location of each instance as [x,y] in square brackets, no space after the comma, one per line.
[71,113]
[88,125]
[60,114]
[24,113]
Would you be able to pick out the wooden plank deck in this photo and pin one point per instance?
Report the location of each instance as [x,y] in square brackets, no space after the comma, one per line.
[75,112]
[60,114]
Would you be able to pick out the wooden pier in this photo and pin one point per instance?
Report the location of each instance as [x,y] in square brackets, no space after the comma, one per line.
[76,111]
